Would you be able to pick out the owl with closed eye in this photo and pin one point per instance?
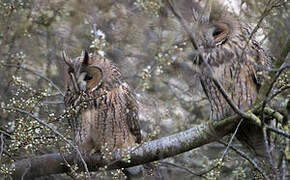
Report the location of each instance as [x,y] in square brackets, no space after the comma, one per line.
[105,106]
[238,63]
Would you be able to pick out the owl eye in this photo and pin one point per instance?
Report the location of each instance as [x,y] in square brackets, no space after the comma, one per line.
[88,77]
[217,31]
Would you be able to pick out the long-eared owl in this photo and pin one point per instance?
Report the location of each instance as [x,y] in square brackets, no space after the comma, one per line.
[237,62]
[104,103]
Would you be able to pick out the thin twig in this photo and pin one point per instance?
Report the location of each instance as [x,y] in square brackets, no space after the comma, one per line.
[268,151]
[284,159]
[267,95]
[264,14]
[54,131]
[1,148]
[266,100]
[225,152]
[4,132]
[250,160]
[269,7]
[52,102]
[37,74]
[231,140]
[278,131]
[68,165]
[279,91]
[180,167]
[207,171]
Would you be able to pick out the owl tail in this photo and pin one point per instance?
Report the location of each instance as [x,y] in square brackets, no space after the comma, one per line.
[251,136]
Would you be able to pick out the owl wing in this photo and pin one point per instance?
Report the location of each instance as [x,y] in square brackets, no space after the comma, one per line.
[134,125]
[132,119]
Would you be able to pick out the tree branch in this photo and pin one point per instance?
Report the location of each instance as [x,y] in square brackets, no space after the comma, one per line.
[149,151]
[37,74]
[1,147]
[54,131]
[250,160]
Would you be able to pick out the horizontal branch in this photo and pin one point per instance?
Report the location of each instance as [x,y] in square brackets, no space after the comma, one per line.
[147,152]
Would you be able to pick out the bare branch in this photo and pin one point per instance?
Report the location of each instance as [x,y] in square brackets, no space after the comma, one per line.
[265,13]
[141,154]
[268,151]
[37,74]
[278,131]
[52,102]
[1,147]
[266,100]
[231,140]
[53,130]
[267,95]
[280,91]
[225,152]
[284,159]
[147,152]
[245,156]
[180,167]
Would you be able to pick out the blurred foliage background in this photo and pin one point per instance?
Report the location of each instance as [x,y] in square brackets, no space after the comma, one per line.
[149,46]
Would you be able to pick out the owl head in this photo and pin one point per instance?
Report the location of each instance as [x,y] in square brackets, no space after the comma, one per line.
[85,73]
[214,25]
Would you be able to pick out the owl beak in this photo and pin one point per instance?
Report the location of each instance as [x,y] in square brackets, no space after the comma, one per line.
[71,71]
[81,82]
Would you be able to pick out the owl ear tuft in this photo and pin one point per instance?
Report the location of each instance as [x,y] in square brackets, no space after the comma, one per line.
[86,58]
[66,59]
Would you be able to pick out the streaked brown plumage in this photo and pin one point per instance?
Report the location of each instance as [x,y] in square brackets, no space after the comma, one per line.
[105,104]
[222,41]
